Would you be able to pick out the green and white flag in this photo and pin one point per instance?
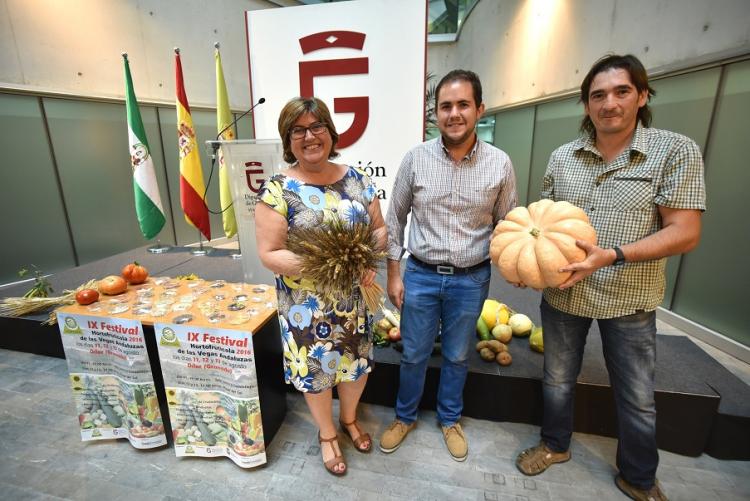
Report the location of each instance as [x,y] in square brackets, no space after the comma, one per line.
[147,200]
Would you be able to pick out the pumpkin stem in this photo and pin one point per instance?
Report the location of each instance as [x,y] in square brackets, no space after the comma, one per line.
[534,232]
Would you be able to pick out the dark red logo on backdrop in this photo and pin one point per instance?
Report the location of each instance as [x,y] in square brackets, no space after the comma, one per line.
[254,183]
[308,70]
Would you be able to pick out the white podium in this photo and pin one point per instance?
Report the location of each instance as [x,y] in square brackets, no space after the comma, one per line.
[250,162]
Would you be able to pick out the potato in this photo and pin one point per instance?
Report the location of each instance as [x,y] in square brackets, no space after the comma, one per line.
[496,346]
[503,333]
[504,358]
[487,354]
[482,344]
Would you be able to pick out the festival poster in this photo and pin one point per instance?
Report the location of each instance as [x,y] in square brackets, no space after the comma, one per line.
[111,379]
[212,392]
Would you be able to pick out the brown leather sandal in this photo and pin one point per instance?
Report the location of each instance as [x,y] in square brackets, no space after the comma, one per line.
[363,437]
[339,459]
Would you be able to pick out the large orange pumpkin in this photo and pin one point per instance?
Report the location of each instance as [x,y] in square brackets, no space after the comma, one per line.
[531,244]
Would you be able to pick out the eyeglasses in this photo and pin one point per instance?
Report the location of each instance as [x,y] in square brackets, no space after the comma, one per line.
[300,132]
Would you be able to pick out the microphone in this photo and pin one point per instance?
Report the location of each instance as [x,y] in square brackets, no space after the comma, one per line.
[215,144]
[234,122]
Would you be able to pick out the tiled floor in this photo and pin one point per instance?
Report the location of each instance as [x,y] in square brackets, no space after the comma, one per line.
[42,457]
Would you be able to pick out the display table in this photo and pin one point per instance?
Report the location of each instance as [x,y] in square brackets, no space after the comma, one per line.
[29,334]
[198,306]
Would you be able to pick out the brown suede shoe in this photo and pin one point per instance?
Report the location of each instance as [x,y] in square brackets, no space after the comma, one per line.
[653,494]
[456,442]
[395,435]
[537,459]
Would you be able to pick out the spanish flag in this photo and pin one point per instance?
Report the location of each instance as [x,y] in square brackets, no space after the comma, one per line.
[192,187]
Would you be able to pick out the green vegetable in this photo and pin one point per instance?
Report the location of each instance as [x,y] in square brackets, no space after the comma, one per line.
[138,394]
[380,341]
[41,287]
[206,436]
[112,417]
[215,428]
[536,340]
[482,331]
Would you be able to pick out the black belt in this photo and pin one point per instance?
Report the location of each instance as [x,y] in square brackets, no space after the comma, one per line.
[448,269]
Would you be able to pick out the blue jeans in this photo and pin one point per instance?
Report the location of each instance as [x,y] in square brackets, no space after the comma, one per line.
[432,299]
[629,346]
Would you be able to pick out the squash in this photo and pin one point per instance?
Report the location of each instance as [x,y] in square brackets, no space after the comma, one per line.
[531,244]
[494,313]
[520,325]
[536,340]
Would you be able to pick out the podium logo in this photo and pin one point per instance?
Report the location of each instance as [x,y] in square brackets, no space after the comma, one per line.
[308,70]
[71,326]
[252,171]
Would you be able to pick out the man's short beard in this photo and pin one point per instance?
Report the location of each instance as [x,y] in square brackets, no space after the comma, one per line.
[451,142]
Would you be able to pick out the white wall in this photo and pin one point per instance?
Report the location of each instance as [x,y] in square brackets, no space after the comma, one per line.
[522,49]
[528,49]
[74,46]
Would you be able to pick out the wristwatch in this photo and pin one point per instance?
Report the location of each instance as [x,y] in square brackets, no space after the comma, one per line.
[620,259]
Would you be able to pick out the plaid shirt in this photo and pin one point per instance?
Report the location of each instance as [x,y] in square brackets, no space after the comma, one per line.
[660,168]
[454,206]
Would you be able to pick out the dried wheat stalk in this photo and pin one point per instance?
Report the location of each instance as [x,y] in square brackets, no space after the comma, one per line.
[335,257]
[19,306]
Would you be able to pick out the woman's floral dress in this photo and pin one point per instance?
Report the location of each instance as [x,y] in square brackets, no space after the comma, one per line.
[325,341]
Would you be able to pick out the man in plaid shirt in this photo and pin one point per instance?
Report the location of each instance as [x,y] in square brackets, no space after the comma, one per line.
[643,191]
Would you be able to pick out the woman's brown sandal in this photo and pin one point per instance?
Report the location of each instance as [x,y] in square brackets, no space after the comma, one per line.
[339,459]
[363,437]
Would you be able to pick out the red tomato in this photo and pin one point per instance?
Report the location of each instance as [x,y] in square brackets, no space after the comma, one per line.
[134,273]
[394,334]
[87,296]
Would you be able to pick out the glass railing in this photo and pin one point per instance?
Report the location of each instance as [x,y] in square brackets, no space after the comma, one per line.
[444,17]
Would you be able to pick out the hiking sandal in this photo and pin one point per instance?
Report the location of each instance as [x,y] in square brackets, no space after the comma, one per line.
[537,459]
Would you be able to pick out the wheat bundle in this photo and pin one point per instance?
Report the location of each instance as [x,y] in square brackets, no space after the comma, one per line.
[19,306]
[336,256]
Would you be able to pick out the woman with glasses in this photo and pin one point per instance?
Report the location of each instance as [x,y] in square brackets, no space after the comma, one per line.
[326,343]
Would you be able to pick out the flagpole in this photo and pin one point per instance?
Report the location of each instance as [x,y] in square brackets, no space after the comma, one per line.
[200,250]
[225,131]
[238,254]
[159,248]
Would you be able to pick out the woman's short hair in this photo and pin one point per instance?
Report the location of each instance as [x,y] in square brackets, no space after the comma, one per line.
[294,109]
